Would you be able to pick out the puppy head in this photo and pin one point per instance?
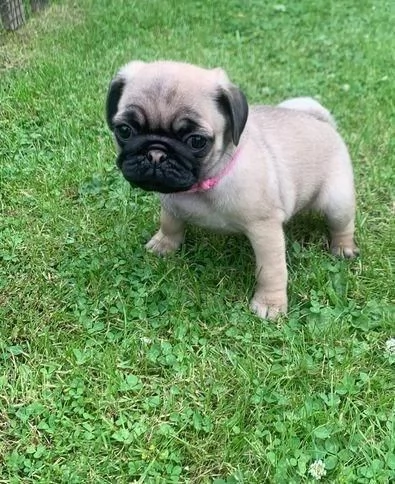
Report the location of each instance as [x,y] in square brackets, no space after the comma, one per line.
[172,122]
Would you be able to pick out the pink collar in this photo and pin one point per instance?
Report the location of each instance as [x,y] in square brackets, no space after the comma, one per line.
[210,183]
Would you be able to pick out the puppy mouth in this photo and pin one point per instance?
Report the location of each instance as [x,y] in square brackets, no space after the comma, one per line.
[160,165]
[163,176]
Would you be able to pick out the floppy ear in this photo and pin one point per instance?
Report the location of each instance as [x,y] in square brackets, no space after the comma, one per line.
[233,104]
[126,74]
[113,96]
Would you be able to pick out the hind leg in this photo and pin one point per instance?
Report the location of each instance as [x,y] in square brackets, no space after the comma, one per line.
[342,239]
[340,213]
[337,202]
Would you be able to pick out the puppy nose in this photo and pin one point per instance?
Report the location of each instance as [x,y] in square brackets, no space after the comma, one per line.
[156,155]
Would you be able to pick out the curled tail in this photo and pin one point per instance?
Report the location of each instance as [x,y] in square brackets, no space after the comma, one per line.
[310,106]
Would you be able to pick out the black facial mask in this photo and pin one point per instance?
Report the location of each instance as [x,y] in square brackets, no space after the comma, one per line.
[159,163]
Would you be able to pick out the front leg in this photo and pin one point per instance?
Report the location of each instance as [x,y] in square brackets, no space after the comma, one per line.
[170,235]
[267,239]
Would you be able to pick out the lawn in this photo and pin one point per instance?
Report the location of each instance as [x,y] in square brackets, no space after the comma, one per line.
[117,366]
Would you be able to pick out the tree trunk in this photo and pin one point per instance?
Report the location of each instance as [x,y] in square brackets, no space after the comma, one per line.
[12,14]
[37,5]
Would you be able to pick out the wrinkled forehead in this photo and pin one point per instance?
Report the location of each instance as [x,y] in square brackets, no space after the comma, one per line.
[161,102]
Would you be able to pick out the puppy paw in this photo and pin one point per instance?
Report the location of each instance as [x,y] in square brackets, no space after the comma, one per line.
[266,309]
[161,244]
[347,251]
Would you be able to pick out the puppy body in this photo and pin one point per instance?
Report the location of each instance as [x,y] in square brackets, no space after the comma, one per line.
[281,172]
[289,158]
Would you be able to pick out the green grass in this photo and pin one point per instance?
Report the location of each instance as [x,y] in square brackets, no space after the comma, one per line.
[117,366]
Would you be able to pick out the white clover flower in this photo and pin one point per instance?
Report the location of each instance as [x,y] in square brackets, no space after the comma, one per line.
[390,346]
[317,469]
[146,340]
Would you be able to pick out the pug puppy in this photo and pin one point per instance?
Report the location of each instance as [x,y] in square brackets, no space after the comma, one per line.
[187,133]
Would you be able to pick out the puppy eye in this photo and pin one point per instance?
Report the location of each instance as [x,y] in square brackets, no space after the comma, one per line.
[196,142]
[123,131]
